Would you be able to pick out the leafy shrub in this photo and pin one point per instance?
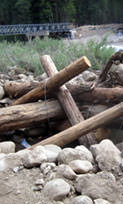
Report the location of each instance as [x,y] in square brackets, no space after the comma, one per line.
[27,55]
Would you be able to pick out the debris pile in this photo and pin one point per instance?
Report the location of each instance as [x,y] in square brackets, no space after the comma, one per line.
[46,115]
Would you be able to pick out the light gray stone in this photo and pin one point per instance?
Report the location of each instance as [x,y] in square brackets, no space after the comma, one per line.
[89,76]
[35,157]
[86,154]
[52,152]
[107,155]
[2,92]
[57,189]
[69,154]
[81,166]
[101,201]
[82,199]
[47,167]
[10,161]
[40,182]
[66,171]
[101,185]
[22,153]
[7,147]
[2,155]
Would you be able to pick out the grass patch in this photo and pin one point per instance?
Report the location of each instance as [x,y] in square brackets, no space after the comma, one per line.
[27,55]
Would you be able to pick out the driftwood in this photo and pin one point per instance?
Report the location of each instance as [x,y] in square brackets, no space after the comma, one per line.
[33,114]
[17,89]
[66,100]
[73,133]
[97,95]
[27,115]
[117,56]
[64,96]
[53,83]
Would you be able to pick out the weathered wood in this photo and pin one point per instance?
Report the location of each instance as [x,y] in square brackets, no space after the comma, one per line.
[73,133]
[117,56]
[32,114]
[27,115]
[15,89]
[97,95]
[64,96]
[53,83]
[66,100]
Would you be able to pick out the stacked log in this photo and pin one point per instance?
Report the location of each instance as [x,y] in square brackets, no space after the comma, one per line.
[35,103]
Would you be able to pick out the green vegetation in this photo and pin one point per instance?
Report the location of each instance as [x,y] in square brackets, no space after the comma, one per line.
[27,55]
[50,11]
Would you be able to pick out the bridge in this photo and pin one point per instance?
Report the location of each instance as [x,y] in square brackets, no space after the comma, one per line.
[35,29]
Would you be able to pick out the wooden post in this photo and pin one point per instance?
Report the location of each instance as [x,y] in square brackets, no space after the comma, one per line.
[66,100]
[53,83]
[73,133]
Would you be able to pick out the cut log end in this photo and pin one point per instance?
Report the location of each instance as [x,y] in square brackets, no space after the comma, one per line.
[86,60]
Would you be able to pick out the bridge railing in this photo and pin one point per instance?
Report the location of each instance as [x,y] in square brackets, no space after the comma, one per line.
[33,28]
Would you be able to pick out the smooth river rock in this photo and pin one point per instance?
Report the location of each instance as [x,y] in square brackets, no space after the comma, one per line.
[79,153]
[81,166]
[82,199]
[56,189]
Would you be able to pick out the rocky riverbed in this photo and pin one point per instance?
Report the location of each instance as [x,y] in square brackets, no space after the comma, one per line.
[112,32]
[53,175]
[49,174]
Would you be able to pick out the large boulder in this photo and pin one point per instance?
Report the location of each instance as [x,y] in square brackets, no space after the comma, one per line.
[107,155]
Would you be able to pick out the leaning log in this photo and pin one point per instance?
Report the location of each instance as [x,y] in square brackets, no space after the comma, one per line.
[66,100]
[118,56]
[53,83]
[71,134]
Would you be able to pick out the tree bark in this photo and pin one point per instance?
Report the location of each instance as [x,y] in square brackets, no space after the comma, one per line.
[27,115]
[117,56]
[17,89]
[71,134]
[97,95]
[66,100]
[79,93]
[53,83]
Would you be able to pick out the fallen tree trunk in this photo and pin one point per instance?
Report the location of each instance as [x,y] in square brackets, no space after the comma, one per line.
[27,115]
[97,95]
[79,93]
[53,83]
[84,127]
[17,89]
[31,114]
[66,100]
